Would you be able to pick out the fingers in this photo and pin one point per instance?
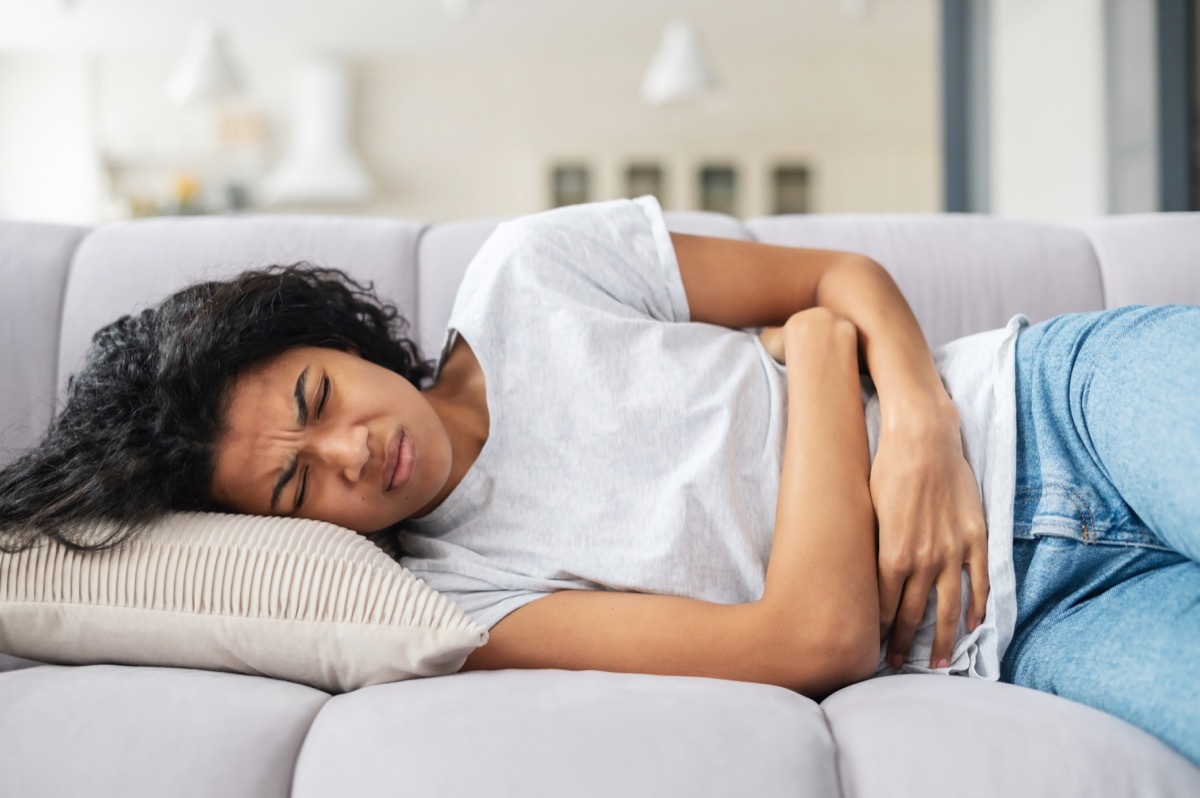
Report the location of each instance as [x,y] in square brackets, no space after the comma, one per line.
[977,568]
[772,341]
[895,567]
[912,612]
[891,587]
[908,619]
[949,608]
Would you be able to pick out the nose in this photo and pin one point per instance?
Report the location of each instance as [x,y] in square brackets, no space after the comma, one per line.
[344,449]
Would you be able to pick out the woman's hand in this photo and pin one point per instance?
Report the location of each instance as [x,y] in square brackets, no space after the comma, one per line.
[930,521]
[930,525]
[772,341]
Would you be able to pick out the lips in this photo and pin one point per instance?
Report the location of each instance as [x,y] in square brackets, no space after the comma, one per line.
[398,465]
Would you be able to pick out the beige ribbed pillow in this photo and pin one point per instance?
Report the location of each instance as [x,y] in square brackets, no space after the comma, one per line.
[300,600]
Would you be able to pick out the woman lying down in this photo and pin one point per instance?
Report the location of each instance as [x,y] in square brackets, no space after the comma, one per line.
[608,472]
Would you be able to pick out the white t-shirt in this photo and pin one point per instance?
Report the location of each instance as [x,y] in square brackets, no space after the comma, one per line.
[630,449]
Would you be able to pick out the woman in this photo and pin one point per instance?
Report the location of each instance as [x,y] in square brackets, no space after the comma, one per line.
[598,419]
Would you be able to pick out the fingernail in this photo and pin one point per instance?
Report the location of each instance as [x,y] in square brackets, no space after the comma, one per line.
[897,660]
[943,663]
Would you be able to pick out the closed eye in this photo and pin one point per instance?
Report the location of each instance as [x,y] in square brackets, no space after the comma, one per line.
[325,386]
[304,477]
[303,490]
[324,395]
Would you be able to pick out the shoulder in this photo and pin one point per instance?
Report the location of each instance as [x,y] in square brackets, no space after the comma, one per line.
[586,225]
[613,256]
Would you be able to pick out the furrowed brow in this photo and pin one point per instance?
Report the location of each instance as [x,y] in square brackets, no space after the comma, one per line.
[302,417]
[301,402]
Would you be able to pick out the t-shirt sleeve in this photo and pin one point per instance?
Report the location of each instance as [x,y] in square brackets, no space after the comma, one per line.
[488,608]
[615,257]
[486,603]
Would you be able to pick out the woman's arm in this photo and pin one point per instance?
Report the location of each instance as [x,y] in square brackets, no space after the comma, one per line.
[814,628]
[821,572]
[743,284]
[925,496]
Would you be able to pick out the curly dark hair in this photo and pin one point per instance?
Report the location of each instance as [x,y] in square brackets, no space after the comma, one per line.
[136,437]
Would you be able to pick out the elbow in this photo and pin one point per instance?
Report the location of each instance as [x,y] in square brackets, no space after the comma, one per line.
[863,659]
[856,657]
[860,637]
[847,656]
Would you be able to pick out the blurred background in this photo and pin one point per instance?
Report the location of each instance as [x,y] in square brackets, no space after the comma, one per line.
[444,109]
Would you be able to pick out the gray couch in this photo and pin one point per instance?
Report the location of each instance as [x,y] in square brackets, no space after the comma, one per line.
[107,730]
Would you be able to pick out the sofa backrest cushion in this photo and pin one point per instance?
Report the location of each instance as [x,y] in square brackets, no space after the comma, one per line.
[1147,259]
[34,260]
[706,223]
[961,273]
[125,267]
[442,259]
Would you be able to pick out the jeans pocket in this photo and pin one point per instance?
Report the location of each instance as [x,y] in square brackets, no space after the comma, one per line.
[1053,510]
[1061,510]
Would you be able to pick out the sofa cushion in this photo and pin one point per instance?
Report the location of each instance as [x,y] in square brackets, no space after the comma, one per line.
[443,255]
[921,733]
[706,223]
[1147,258]
[576,733]
[107,730]
[961,274]
[300,600]
[11,663]
[125,267]
[34,259]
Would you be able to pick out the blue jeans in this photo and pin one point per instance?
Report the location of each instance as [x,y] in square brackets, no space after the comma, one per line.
[1106,526]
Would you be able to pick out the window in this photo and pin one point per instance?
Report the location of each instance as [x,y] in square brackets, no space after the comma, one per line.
[718,189]
[790,188]
[644,178]
[1194,116]
[1177,104]
[570,185]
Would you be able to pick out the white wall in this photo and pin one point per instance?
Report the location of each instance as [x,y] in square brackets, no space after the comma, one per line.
[1133,114]
[475,131]
[1048,133]
[475,137]
[48,167]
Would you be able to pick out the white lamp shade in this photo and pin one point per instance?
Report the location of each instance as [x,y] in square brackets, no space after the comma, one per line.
[458,10]
[680,69]
[856,9]
[204,71]
[320,166]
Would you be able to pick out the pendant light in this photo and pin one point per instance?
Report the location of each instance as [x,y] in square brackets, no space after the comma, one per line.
[205,70]
[320,165]
[856,10]
[458,10]
[680,70]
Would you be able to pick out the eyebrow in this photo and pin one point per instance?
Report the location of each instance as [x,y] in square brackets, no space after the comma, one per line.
[302,418]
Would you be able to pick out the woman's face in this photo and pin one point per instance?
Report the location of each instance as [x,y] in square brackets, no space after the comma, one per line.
[319,433]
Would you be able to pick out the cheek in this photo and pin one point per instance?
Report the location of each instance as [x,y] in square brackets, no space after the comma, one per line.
[353,507]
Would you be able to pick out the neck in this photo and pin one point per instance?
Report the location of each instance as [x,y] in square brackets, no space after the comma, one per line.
[462,407]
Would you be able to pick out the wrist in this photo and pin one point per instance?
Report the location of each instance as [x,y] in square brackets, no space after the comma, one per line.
[923,415]
[818,329]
